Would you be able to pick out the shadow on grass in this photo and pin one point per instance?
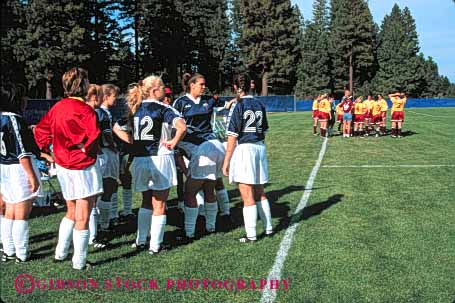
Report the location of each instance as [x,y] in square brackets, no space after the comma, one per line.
[308,212]
[46,211]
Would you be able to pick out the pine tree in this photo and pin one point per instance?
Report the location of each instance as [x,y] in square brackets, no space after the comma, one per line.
[313,70]
[52,40]
[269,42]
[351,43]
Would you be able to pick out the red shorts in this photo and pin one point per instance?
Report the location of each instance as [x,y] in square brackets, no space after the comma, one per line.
[323,116]
[377,119]
[315,114]
[359,118]
[397,116]
[368,115]
[340,118]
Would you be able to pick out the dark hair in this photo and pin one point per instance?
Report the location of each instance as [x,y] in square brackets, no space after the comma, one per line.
[188,79]
[242,81]
[12,97]
[110,89]
[75,82]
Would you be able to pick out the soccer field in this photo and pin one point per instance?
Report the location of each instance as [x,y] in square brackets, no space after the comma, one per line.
[378,226]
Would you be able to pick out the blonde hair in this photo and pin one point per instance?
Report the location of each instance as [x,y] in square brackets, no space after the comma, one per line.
[110,89]
[75,82]
[141,91]
[94,90]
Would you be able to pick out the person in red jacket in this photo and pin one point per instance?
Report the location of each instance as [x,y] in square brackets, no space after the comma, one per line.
[71,128]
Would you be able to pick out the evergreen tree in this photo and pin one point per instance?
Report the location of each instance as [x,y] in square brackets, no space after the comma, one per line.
[314,68]
[351,43]
[53,39]
[269,42]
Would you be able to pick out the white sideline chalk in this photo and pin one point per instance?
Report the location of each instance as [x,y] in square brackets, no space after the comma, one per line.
[389,166]
[413,112]
[269,295]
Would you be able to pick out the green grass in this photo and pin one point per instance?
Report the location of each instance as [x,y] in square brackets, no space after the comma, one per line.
[367,234]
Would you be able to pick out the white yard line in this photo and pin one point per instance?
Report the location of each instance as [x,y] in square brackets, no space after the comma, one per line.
[389,166]
[413,112]
[269,295]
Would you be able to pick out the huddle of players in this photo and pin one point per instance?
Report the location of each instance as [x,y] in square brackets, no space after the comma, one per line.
[77,133]
[360,117]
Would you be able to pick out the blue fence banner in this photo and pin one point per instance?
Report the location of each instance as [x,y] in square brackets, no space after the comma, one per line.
[37,108]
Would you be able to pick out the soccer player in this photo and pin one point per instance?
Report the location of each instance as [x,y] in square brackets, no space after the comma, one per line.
[359,112]
[153,167]
[347,105]
[246,162]
[315,114]
[324,114]
[369,102]
[339,111]
[376,117]
[71,127]
[205,151]
[398,103]
[19,182]
[384,107]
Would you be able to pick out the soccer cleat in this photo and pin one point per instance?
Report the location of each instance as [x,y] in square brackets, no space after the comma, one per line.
[100,244]
[245,239]
[88,265]
[27,258]
[184,239]
[163,248]
[55,260]
[139,247]
[6,258]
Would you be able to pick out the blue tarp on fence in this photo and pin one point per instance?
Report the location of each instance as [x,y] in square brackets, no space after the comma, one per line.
[38,107]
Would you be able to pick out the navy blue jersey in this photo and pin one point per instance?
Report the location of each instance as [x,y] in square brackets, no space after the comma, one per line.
[123,147]
[105,123]
[247,120]
[16,139]
[198,117]
[152,124]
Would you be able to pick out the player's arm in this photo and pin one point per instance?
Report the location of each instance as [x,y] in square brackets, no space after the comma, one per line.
[180,130]
[233,131]
[231,143]
[121,130]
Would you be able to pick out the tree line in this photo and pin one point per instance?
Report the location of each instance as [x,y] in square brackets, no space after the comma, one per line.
[122,41]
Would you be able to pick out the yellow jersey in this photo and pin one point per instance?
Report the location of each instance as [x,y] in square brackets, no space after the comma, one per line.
[384,106]
[315,105]
[369,104]
[398,104]
[360,108]
[376,108]
[339,109]
[324,106]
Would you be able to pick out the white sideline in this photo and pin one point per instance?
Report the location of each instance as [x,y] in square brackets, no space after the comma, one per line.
[268,295]
[389,166]
[411,111]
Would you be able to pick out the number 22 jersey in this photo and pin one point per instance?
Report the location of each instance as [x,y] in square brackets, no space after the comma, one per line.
[247,120]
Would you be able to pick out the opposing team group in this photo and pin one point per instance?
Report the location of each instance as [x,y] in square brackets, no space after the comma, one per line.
[159,141]
[358,117]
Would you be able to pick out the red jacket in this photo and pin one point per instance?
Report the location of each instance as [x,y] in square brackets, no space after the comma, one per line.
[72,129]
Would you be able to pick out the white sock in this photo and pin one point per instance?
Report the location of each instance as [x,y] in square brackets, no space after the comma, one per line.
[65,234]
[105,211]
[200,203]
[222,198]
[157,232]
[20,237]
[211,209]
[144,220]
[250,216]
[190,220]
[114,206]
[265,215]
[93,224]
[7,236]
[127,196]
[80,242]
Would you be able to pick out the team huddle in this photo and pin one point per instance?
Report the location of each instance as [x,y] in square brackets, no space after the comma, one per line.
[154,147]
[358,117]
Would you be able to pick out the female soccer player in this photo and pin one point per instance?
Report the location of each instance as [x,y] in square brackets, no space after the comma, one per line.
[339,111]
[399,101]
[324,114]
[359,112]
[205,151]
[315,114]
[369,102]
[153,167]
[71,127]
[384,107]
[246,161]
[347,105]
[19,182]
